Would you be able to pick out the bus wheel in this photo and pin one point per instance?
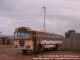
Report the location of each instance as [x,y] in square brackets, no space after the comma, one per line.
[24,51]
[39,48]
[34,52]
[45,49]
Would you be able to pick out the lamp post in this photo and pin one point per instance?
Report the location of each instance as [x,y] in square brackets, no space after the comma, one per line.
[44,17]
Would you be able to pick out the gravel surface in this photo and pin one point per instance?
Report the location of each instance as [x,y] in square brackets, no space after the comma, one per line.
[9,53]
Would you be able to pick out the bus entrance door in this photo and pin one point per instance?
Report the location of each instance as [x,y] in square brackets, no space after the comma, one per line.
[34,41]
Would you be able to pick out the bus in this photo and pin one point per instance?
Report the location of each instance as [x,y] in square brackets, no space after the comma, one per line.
[26,39]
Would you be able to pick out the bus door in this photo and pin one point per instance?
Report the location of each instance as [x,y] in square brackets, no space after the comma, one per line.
[34,40]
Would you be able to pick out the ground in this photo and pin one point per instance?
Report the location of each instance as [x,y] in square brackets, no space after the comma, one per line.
[9,53]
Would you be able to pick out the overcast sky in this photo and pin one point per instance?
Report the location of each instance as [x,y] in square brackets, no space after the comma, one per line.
[61,15]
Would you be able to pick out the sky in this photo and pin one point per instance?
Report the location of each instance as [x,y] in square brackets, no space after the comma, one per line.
[61,15]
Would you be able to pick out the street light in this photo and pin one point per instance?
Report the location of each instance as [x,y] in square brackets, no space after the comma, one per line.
[44,17]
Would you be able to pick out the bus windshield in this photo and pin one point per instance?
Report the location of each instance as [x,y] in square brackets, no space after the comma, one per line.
[22,35]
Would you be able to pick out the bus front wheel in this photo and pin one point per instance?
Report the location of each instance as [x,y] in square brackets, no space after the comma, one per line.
[39,48]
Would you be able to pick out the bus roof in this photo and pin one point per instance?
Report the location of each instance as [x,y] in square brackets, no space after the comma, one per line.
[22,29]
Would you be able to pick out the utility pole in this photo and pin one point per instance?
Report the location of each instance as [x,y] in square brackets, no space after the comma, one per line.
[44,17]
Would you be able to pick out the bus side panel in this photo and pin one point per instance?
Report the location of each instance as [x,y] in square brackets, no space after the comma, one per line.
[49,46]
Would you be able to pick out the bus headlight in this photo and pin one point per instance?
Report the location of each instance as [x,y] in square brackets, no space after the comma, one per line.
[27,46]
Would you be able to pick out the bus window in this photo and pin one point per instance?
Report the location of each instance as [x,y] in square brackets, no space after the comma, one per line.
[28,34]
[17,34]
[39,35]
[22,35]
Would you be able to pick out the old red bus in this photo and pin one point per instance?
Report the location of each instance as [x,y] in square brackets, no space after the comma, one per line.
[27,39]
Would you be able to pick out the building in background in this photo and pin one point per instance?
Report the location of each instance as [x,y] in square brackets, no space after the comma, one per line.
[6,40]
[71,40]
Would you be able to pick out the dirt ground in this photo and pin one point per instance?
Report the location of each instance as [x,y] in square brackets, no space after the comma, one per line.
[9,53]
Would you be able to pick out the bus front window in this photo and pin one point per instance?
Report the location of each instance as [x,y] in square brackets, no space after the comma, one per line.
[22,35]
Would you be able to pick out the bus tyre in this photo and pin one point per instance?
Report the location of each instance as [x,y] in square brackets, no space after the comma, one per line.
[39,48]
[34,52]
[24,51]
[45,49]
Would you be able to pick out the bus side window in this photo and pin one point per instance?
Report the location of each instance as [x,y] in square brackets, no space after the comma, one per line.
[23,35]
[52,36]
[43,35]
[46,35]
[38,34]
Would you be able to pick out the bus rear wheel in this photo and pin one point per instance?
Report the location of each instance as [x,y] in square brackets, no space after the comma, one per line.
[45,49]
[24,51]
